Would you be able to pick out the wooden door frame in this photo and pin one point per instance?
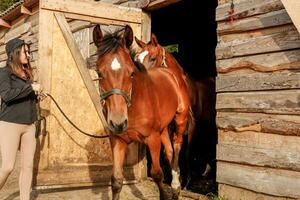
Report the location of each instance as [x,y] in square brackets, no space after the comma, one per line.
[94,12]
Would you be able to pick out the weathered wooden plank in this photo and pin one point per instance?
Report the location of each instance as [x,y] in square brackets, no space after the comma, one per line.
[280,102]
[17,31]
[267,157]
[267,20]
[275,182]
[247,8]
[278,124]
[280,41]
[260,140]
[271,62]
[154,5]
[258,81]
[235,193]
[82,40]
[81,64]
[77,25]
[94,9]
[146,27]
[45,46]
[293,8]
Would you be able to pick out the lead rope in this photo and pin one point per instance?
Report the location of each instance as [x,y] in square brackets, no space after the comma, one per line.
[68,119]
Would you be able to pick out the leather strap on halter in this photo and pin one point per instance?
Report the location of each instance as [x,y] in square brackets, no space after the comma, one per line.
[164,62]
[105,95]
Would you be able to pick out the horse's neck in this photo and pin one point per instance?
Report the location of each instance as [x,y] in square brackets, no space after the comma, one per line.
[172,62]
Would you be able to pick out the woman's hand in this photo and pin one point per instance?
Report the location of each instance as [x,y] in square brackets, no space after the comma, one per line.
[36,87]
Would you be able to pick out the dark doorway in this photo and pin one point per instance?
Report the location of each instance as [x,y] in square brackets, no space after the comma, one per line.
[191,25]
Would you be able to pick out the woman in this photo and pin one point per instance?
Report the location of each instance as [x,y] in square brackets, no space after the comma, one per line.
[17,115]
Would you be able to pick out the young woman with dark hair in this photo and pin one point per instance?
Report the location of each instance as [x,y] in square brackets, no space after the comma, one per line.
[17,115]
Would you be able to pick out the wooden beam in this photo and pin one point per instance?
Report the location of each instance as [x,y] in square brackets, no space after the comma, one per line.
[259,149]
[157,4]
[81,64]
[288,125]
[4,23]
[246,8]
[271,181]
[94,9]
[271,62]
[258,81]
[293,9]
[285,39]
[275,102]
[25,10]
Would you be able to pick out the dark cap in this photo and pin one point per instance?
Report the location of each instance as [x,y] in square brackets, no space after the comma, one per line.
[12,44]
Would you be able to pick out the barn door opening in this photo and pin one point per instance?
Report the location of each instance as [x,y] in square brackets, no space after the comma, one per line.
[188,29]
[66,56]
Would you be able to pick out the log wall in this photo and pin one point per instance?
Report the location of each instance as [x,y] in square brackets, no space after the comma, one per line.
[258,101]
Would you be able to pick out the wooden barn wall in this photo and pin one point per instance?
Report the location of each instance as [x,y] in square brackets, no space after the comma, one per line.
[258,101]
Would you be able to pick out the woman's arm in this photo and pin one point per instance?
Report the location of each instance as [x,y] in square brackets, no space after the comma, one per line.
[8,93]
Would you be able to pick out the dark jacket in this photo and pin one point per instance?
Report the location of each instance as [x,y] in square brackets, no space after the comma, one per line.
[18,100]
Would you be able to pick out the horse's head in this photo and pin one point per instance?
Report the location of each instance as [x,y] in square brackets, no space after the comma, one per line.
[115,70]
[151,54]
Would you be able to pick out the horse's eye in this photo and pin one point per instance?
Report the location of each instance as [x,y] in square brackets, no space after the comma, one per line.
[99,75]
[152,59]
[131,75]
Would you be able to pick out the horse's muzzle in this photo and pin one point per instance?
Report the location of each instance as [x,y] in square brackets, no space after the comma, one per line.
[117,128]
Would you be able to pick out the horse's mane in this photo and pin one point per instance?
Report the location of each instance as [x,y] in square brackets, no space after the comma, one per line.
[111,42]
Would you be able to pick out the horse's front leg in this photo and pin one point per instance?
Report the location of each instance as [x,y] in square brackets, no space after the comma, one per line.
[118,152]
[154,144]
[181,123]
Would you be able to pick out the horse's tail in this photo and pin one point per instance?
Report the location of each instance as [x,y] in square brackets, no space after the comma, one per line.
[190,125]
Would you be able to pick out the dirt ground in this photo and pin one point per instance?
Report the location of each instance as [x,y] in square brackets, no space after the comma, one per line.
[145,190]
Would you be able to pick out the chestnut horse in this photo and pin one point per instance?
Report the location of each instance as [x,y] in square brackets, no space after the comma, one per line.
[153,56]
[136,105]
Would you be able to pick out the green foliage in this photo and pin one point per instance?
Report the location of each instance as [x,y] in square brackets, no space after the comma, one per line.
[172,48]
[4,4]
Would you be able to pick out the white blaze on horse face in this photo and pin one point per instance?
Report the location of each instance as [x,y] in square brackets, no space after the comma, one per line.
[142,56]
[115,65]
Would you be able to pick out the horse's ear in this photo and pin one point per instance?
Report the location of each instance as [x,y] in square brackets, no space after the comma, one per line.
[140,43]
[97,35]
[154,40]
[128,36]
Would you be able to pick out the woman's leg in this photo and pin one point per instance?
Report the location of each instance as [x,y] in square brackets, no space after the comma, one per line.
[9,142]
[28,144]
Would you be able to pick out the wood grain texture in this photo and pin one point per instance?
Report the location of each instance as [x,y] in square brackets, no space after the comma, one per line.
[94,9]
[258,81]
[259,149]
[275,182]
[284,40]
[235,193]
[276,18]
[270,62]
[277,124]
[246,8]
[278,102]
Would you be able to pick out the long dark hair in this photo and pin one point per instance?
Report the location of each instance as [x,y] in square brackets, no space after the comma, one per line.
[23,71]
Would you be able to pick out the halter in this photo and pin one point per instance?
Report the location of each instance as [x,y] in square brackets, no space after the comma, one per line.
[164,62]
[105,94]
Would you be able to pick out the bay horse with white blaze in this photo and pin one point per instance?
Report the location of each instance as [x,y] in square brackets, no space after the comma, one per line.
[136,105]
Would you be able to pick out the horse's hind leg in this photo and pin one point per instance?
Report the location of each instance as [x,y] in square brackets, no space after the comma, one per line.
[154,144]
[118,152]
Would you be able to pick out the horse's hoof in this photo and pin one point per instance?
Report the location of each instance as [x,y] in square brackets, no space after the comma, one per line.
[168,193]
